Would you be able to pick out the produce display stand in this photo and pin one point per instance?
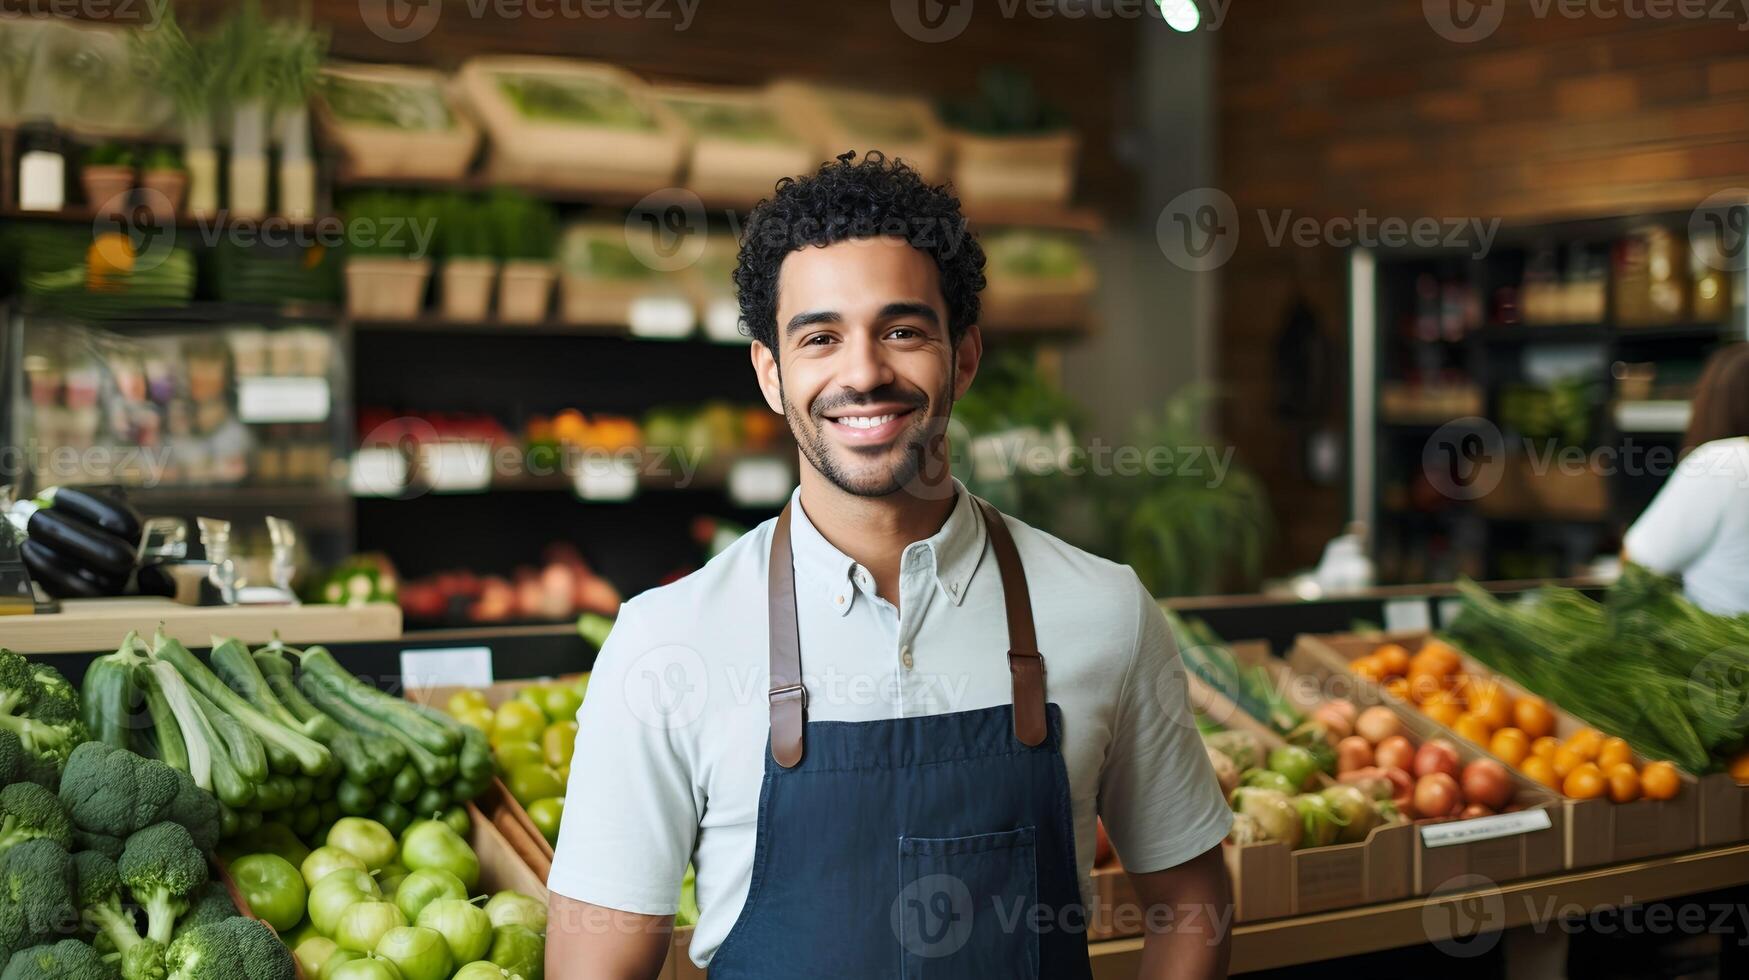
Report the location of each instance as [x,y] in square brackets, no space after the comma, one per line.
[1433,918]
[1598,831]
[85,625]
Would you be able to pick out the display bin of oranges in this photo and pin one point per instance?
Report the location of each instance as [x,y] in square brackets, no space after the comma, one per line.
[1618,806]
[1523,839]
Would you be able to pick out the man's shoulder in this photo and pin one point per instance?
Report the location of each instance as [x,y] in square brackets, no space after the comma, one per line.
[1097,586]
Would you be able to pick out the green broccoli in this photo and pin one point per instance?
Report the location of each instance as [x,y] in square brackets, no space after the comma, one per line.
[29,811]
[12,758]
[41,708]
[104,844]
[112,791]
[238,948]
[100,900]
[212,903]
[162,869]
[68,959]
[36,895]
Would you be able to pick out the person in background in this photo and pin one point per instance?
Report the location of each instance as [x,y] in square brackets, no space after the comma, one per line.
[1698,525]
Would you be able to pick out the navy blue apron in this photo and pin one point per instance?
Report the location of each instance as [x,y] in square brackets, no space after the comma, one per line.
[931,847]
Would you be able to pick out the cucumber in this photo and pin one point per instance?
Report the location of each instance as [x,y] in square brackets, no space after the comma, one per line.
[107,698]
[325,694]
[378,761]
[407,784]
[398,713]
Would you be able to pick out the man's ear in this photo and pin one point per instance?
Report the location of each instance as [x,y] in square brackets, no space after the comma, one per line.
[967,354]
[765,369]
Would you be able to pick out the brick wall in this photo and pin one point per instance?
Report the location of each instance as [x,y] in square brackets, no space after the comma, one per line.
[1328,108]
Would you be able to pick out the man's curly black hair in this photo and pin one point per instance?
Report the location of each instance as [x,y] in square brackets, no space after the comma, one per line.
[862,199]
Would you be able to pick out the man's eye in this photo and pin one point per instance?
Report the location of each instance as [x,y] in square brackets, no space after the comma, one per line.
[817,340]
[905,333]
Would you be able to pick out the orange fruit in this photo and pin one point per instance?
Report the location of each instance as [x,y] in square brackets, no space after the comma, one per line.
[1442,697]
[1509,745]
[1544,747]
[1492,703]
[1624,782]
[1473,727]
[1437,656]
[1613,751]
[1369,667]
[1585,782]
[1393,658]
[1586,742]
[1538,769]
[1739,767]
[1533,716]
[1566,760]
[1444,712]
[1398,687]
[1659,781]
[1424,684]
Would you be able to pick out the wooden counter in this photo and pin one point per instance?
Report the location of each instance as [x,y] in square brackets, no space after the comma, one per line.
[87,625]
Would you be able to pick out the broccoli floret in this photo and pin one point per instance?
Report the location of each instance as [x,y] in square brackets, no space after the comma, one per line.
[145,961]
[99,897]
[36,895]
[112,791]
[29,811]
[68,959]
[104,844]
[12,759]
[41,708]
[162,869]
[238,948]
[212,903]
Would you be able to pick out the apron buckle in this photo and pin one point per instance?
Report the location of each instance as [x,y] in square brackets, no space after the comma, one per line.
[789,692]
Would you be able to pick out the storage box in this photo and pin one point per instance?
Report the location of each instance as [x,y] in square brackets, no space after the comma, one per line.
[394,121]
[1036,169]
[738,144]
[841,119]
[1019,296]
[1525,854]
[1598,831]
[1272,880]
[569,125]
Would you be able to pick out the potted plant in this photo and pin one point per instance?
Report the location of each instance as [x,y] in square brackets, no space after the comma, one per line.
[245,43]
[294,59]
[165,180]
[108,178]
[522,229]
[464,237]
[1009,145]
[386,268]
[188,69]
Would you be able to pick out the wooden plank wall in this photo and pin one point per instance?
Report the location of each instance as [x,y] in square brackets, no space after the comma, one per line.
[1328,108]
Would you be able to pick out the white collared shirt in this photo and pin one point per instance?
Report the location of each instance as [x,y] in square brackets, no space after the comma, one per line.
[672,741]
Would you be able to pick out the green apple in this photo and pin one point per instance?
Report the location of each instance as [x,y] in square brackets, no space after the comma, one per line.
[313,953]
[366,840]
[363,968]
[547,814]
[326,860]
[533,781]
[558,743]
[519,950]
[419,953]
[463,925]
[509,755]
[432,844]
[508,908]
[363,924]
[421,888]
[273,888]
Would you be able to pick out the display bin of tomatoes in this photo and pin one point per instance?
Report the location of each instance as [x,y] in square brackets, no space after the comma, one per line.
[1524,838]
[1618,805]
[532,741]
[1272,879]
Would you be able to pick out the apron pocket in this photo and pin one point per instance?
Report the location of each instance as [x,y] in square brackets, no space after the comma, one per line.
[966,906]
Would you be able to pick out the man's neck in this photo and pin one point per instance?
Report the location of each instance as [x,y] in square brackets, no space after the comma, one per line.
[874,531]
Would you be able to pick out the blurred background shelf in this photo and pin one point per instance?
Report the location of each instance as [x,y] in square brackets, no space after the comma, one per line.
[97,624]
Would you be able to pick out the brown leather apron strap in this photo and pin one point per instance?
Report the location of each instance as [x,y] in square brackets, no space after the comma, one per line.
[789,699]
[1024,661]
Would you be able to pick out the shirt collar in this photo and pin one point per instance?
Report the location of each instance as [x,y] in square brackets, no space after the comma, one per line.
[951,554]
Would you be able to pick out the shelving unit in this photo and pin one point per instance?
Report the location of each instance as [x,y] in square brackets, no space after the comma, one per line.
[1552,508]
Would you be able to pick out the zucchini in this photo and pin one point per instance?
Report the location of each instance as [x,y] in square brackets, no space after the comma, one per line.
[85,544]
[292,751]
[107,698]
[323,690]
[367,763]
[237,742]
[99,509]
[397,713]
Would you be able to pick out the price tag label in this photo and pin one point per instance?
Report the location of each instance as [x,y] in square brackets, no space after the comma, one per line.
[722,321]
[282,399]
[1448,610]
[1485,828]
[662,317]
[456,466]
[760,480]
[1408,615]
[612,478]
[378,471]
[446,667]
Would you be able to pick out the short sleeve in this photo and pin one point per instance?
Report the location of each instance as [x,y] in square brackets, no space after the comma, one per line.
[1158,796]
[1683,518]
[630,816]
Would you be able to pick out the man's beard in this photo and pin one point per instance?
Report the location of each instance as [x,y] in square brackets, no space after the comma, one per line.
[914,442]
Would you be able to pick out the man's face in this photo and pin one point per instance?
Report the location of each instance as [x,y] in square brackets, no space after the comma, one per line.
[865,372]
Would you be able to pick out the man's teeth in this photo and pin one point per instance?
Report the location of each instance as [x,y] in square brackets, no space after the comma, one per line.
[864,421]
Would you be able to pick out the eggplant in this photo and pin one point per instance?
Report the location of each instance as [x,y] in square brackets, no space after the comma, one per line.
[62,578]
[84,543]
[108,512]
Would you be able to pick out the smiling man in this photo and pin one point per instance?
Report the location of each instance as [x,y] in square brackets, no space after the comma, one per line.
[881,725]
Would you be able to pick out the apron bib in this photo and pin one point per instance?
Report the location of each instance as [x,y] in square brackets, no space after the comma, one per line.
[940,846]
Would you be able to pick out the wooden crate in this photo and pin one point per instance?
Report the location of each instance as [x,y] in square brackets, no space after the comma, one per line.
[388,152]
[1519,855]
[1597,831]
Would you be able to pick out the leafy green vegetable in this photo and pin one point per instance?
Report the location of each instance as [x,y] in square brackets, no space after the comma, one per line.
[573,99]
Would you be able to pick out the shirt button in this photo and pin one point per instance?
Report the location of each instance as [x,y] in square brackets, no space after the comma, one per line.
[905,657]
[839,600]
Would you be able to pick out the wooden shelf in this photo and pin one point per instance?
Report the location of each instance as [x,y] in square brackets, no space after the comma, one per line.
[88,625]
[1433,918]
